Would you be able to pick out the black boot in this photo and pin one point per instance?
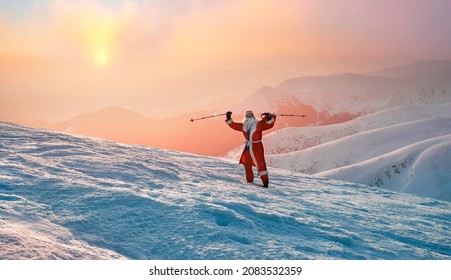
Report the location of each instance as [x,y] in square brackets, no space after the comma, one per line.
[265,185]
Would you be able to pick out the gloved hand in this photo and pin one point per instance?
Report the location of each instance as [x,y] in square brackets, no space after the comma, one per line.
[268,116]
[228,115]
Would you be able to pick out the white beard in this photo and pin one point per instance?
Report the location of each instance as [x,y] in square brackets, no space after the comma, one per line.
[250,124]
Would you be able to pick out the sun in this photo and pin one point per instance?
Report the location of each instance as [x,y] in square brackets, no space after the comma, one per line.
[101,58]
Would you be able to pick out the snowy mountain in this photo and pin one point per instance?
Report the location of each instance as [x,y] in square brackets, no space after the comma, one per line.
[324,99]
[67,197]
[177,133]
[113,123]
[338,98]
[362,146]
[413,69]
[422,168]
[292,139]
[377,142]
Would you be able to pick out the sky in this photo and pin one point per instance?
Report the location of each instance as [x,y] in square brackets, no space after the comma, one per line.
[163,58]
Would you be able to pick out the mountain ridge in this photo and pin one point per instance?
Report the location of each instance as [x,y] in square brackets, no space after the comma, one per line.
[413,69]
[324,99]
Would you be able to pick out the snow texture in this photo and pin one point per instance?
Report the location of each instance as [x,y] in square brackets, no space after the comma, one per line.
[67,197]
[363,146]
[422,168]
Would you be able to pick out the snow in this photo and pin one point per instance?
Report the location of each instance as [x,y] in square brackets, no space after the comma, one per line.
[422,168]
[68,197]
[292,139]
[361,146]
[352,93]
[336,151]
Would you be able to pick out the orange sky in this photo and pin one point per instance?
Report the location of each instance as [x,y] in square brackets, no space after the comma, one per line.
[163,58]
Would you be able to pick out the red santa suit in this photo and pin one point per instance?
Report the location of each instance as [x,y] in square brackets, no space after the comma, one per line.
[253,153]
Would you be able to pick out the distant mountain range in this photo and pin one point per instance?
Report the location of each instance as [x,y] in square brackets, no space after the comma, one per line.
[414,69]
[351,94]
[324,99]
[208,137]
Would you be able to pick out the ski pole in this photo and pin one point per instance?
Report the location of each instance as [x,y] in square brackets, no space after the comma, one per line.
[291,115]
[207,117]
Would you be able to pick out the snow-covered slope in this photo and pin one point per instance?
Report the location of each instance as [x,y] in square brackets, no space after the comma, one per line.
[423,168]
[292,139]
[361,146]
[66,197]
[367,147]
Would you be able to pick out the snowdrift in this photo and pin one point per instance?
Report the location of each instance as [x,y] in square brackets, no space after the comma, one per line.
[422,168]
[67,197]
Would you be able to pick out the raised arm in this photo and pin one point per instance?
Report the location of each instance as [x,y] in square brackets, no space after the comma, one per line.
[268,121]
[232,124]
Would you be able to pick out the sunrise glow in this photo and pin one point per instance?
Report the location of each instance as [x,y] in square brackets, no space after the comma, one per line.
[167,58]
[101,58]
